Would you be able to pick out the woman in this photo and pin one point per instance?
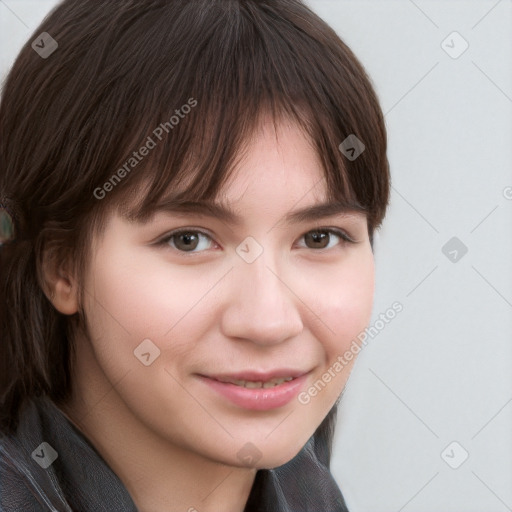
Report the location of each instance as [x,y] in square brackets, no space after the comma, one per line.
[189,191]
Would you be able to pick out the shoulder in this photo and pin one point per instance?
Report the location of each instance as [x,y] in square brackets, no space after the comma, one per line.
[49,465]
[16,490]
[27,482]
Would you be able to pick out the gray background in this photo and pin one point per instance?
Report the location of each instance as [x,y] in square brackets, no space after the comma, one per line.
[440,371]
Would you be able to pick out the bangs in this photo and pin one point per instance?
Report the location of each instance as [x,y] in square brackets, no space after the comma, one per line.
[188,99]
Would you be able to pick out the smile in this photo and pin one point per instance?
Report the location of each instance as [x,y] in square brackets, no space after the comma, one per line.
[259,392]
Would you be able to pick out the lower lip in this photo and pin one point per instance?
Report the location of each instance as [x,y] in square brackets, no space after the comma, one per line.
[259,399]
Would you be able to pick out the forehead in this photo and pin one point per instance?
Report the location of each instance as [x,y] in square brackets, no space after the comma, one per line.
[276,163]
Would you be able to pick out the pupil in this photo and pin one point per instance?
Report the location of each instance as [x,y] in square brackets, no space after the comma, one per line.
[318,236]
[188,240]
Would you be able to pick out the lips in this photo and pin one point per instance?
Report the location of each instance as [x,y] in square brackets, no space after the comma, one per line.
[258,390]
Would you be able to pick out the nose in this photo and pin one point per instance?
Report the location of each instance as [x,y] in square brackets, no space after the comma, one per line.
[262,307]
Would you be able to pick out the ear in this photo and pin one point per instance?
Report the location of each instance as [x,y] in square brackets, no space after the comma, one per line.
[60,285]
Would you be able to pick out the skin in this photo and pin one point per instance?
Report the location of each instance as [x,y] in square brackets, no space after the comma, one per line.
[171,439]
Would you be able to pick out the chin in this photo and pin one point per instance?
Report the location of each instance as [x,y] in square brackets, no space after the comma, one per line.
[272,456]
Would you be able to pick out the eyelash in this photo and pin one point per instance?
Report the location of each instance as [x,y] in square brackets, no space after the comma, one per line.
[346,239]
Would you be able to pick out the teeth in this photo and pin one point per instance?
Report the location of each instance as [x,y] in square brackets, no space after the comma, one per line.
[256,385]
[253,385]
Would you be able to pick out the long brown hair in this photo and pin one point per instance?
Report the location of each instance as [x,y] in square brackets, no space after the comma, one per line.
[188,80]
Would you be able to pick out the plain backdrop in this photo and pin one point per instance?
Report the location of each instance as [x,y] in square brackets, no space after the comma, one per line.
[425,422]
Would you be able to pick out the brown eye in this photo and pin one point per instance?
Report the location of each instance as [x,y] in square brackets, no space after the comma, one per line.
[321,238]
[187,241]
[317,239]
[194,241]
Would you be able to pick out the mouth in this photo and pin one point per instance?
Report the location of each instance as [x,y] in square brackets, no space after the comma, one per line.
[258,390]
[250,384]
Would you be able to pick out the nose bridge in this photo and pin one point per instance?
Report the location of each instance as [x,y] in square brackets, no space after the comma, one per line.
[261,307]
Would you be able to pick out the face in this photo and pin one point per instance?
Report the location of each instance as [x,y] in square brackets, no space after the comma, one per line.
[231,340]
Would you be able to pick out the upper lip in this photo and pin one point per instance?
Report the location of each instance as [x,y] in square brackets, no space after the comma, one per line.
[256,376]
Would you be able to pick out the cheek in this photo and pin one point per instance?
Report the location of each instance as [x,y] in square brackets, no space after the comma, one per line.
[132,297]
[123,298]
[344,311]
[345,306]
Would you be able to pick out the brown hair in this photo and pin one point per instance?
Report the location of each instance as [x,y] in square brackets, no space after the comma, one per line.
[200,74]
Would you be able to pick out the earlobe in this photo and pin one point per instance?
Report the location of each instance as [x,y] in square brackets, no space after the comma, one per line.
[59,284]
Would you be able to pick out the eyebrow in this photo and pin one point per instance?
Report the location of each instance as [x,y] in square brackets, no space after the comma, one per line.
[226,214]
